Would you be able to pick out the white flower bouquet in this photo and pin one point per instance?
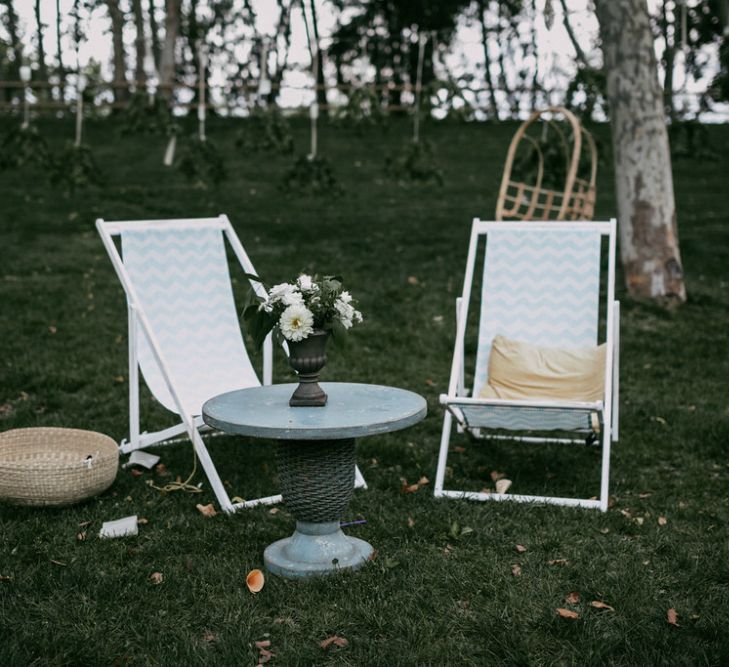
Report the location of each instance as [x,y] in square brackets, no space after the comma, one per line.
[299,309]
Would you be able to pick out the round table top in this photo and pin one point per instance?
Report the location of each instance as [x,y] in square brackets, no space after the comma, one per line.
[352,411]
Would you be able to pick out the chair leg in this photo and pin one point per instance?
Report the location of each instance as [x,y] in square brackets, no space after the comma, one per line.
[443,454]
[605,468]
[211,471]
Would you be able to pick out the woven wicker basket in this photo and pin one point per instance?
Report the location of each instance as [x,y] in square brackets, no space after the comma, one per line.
[55,466]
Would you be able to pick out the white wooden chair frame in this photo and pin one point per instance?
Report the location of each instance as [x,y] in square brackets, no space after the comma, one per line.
[457,396]
[192,425]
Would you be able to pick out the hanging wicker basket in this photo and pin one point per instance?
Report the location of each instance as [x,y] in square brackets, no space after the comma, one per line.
[519,200]
[55,466]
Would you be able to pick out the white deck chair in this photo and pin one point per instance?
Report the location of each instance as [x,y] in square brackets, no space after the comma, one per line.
[184,332]
[541,285]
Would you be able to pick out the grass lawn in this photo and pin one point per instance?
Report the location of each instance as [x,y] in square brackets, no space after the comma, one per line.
[431,595]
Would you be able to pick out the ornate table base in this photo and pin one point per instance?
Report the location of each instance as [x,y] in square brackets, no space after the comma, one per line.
[316,549]
[317,479]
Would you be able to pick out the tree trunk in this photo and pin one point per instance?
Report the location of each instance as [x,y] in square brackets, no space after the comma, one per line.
[167,56]
[321,92]
[140,45]
[487,57]
[120,84]
[42,70]
[61,67]
[11,25]
[154,30]
[643,180]
[282,31]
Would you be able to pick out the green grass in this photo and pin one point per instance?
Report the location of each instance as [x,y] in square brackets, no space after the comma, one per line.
[427,598]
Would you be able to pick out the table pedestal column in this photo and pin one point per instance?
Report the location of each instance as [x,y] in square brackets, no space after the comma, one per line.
[317,480]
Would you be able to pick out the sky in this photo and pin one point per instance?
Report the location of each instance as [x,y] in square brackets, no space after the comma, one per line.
[556,56]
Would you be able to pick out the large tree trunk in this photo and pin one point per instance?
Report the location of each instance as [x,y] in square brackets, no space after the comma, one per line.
[167,57]
[120,85]
[643,180]
[140,45]
[42,70]
[669,59]
[11,25]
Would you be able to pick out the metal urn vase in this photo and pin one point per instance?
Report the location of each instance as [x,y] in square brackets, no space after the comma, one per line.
[307,357]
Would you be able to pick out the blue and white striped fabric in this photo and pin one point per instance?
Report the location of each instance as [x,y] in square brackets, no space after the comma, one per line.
[514,418]
[539,286]
[182,281]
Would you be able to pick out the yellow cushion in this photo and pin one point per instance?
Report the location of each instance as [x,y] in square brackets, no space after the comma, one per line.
[521,371]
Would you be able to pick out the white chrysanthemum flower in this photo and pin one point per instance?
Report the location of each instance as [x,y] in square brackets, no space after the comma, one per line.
[346,313]
[346,297]
[278,292]
[296,322]
[306,283]
[357,317]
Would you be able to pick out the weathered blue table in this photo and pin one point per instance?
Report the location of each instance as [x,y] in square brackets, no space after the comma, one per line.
[316,461]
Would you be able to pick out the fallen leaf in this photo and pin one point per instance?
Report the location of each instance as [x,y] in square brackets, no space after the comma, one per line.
[85,524]
[58,562]
[119,378]
[411,522]
[567,613]
[341,642]
[5,577]
[520,548]
[255,581]
[412,280]
[423,481]
[643,496]
[264,655]
[156,578]
[408,488]
[639,520]
[496,475]
[459,450]
[626,514]
[161,470]
[572,598]
[52,329]
[430,382]
[672,617]
[660,420]
[516,570]
[558,561]
[81,536]
[604,531]
[265,643]
[206,510]
[136,473]
[662,521]
[601,605]
[209,637]
[273,510]
[503,485]
[142,521]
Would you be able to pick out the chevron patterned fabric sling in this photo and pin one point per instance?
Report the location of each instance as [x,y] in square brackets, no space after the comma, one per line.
[182,280]
[543,288]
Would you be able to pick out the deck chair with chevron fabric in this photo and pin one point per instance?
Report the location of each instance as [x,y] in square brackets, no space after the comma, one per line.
[184,331]
[539,369]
